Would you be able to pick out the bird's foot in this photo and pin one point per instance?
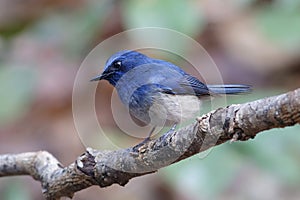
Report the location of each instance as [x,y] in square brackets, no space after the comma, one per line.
[148,138]
[172,129]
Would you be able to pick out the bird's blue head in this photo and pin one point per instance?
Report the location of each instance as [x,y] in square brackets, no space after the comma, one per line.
[119,64]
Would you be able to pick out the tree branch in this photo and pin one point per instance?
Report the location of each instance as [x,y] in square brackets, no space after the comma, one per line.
[104,168]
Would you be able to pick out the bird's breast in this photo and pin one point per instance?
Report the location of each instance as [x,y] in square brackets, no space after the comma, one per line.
[158,108]
[173,108]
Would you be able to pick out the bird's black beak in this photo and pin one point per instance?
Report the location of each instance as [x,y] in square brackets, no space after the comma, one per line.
[97,78]
[105,75]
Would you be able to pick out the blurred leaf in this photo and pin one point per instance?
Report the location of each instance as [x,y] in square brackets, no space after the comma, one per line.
[82,25]
[244,3]
[10,31]
[205,178]
[276,151]
[16,89]
[281,23]
[14,190]
[181,16]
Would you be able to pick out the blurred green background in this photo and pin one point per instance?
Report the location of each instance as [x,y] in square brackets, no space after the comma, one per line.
[43,42]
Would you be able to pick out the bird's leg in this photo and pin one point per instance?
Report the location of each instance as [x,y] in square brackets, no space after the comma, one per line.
[172,129]
[149,136]
[145,140]
[152,130]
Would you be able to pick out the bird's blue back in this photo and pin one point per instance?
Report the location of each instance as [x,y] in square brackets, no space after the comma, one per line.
[149,70]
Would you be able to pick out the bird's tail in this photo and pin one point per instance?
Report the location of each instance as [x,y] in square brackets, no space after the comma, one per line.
[229,89]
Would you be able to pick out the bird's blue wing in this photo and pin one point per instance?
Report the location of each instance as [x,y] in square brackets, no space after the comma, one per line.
[168,78]
[185,85]
[198,87]
[182,83]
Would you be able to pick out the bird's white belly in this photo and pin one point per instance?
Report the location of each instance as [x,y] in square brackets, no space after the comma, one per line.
[173,108]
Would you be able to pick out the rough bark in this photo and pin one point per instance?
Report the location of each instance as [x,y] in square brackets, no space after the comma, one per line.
[104,168]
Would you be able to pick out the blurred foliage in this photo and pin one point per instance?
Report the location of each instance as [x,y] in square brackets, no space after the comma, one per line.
[177,15]
[281,23]
[14,190]
[81,27]
[17,90]
[276,153]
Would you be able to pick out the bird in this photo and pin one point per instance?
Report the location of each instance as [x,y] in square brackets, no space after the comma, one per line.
[158,92]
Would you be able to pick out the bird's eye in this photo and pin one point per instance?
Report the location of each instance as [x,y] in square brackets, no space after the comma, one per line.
[118,64]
